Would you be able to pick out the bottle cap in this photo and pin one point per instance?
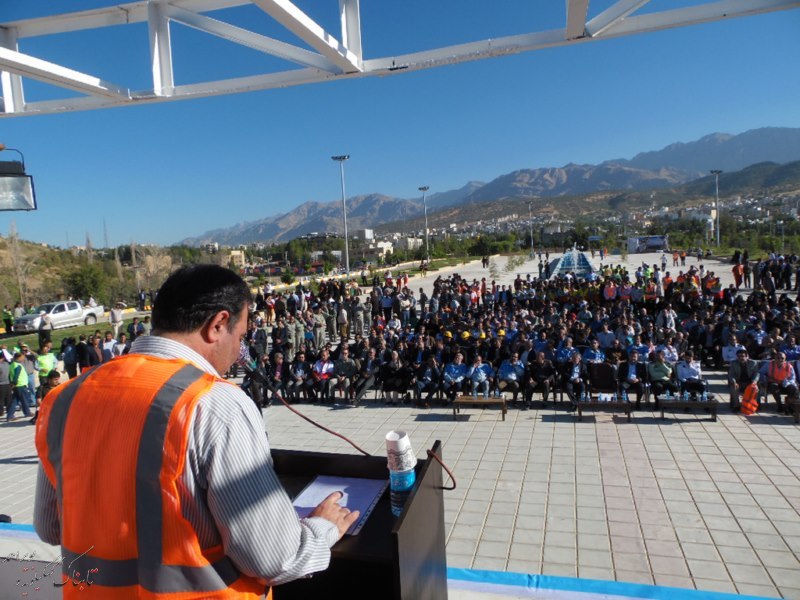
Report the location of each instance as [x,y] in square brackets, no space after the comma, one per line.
[399,454]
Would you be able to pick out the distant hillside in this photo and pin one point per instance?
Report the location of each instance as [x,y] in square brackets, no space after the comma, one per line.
[752,179]
[763,177]
[310,217]
[724,151]
[577,179]
[613,181]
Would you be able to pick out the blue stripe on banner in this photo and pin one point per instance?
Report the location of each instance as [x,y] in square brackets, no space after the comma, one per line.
[591,586]
[16,527]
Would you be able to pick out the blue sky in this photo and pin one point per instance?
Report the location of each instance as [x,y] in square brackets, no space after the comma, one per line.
[162,172]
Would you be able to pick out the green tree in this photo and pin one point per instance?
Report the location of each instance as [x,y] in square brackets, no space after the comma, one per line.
[85,281]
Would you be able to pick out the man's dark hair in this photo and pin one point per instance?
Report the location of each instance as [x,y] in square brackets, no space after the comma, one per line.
[193,295]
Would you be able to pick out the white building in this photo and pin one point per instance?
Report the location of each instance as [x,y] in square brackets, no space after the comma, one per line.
[409,243]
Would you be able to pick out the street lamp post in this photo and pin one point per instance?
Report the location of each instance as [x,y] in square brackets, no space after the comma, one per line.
[424,189]
[340,159]
[783,242]
[530,221]
[716,173]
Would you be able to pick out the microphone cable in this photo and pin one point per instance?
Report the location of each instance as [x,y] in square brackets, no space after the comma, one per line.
[256,375]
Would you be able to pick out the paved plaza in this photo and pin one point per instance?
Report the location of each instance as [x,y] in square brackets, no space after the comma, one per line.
[682,502]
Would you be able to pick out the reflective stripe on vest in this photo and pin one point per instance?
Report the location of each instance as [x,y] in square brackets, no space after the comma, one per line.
[164,557]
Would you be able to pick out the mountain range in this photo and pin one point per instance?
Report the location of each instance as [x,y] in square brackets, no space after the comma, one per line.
[676,164]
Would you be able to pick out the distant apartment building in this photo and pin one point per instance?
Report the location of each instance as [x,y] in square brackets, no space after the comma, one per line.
[211,248]
[408,244]
[237,257]
[366,235]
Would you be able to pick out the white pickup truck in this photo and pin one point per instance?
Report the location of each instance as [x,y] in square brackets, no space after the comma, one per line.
[62,314]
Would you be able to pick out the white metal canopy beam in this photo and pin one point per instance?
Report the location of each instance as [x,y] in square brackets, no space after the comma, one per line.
[244,37]
[304,27]
[576,18]
[160,50]
[350,16]
[335,61]
[11,83]
[612,15]
[35,68]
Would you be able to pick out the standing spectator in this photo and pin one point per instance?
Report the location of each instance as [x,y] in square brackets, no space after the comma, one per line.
[45,328]
[18,377]
[147,326]
[5,383]
[70,357]
[8,319]
[121,348]
[135,329]
[115,318]
[82,353]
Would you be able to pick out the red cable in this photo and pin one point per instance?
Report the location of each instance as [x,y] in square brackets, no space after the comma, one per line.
[356,446]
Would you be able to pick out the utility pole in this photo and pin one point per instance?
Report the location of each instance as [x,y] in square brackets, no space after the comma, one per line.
[424,189]
[340,159]
[716,173]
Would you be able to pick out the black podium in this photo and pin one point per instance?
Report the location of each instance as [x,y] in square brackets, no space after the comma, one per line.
[399,558]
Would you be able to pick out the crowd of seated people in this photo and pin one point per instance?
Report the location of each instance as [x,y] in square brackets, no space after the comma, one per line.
[656,332]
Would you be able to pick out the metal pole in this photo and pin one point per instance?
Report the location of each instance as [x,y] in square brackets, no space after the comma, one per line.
[424,189]
[716,173]
[530,220]
[341,160]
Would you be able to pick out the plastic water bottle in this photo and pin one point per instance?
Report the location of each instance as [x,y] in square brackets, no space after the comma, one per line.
[685,396]
[624,395]
[705,396]
[400,484]
[401,462]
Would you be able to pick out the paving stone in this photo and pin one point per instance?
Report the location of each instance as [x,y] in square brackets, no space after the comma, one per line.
[707,569]
[559,570]
[673,581]
[666,565]
[489,563]
[644,577]
[762,591]
[699,551]
[714,585]
[749,573]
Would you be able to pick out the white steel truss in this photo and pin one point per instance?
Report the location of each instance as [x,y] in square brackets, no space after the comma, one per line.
[329,58]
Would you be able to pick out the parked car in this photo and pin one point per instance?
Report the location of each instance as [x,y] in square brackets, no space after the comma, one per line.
[70,313]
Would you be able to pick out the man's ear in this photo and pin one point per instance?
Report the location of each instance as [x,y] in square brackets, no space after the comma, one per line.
[216,326]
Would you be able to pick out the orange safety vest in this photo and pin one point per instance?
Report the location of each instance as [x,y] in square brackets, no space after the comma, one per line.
[750,399]
[113,445]
[776,375]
